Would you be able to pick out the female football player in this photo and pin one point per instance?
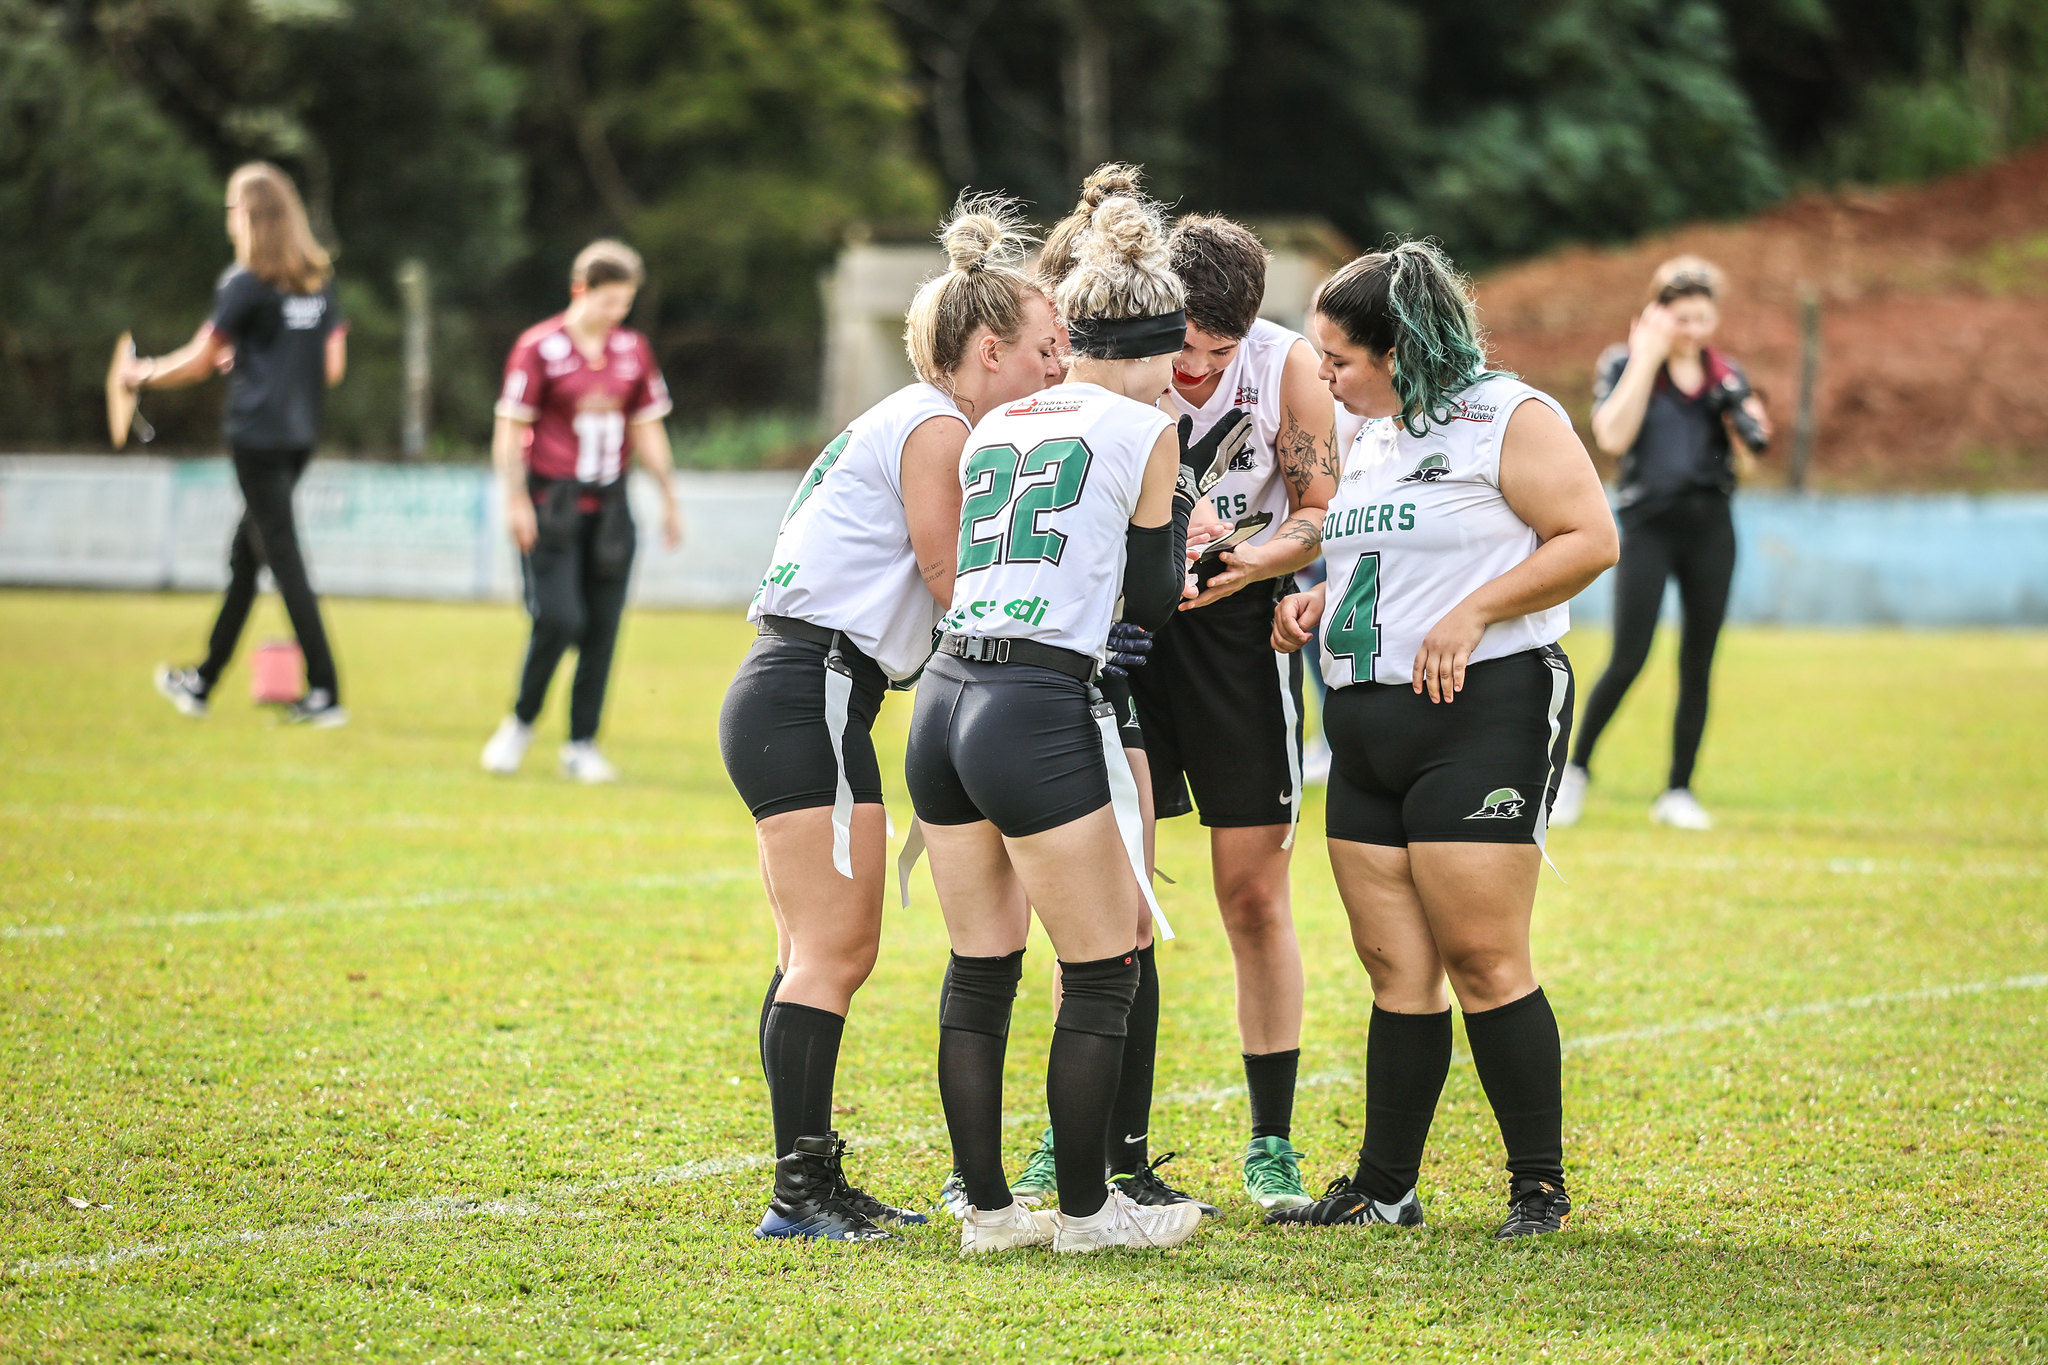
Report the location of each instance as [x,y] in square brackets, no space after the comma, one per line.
[862,567]
[1074,497]
[1467,515]
[578,388]
[275,316]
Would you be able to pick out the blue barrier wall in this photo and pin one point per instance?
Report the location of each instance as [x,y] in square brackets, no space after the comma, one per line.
[437,531]
[1943,559]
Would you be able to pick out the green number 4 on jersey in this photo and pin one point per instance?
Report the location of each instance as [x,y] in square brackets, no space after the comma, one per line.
[1354,628]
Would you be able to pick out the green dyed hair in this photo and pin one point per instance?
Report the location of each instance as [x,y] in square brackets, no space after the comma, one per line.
[1409,299]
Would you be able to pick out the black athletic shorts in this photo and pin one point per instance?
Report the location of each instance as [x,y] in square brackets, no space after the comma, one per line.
[1480,770]
[1010,743]
[1117,692]
[1214,701]
[772,729]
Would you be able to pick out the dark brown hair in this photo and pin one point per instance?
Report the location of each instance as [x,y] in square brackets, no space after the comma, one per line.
[1223,266]
[1409,299]
[282,250]
[1686,277]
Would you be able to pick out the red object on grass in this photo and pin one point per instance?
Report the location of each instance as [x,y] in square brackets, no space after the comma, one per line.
[278,673]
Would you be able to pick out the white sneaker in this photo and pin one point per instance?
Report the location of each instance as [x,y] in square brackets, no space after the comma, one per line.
[507,747]
[1123,1222]
[1315,764]
[1678,809]
[583,762]
[1004,1230]
[1571,797]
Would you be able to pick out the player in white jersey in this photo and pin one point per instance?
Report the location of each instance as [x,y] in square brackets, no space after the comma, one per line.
[861,569]
[1074,497]
[1467,516]
[1221,711]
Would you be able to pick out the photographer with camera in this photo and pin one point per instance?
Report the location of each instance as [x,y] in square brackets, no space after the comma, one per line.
[1675,410]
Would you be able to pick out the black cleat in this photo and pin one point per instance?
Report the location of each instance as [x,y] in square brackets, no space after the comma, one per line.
[1536,1207]
[873,1209]
[1345,1204]
[807,1202]
[1145,1187]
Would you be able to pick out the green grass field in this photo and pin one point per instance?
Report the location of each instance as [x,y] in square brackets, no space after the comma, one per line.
[358,1054]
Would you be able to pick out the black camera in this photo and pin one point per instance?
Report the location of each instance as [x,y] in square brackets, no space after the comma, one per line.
[1726,399]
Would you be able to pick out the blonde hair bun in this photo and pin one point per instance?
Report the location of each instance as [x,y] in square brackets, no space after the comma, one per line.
[1122,268]
[1111,178]
[983,231]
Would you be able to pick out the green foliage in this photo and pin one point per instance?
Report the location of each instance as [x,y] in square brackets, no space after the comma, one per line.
[108,220]
[770,440]
[375,1057]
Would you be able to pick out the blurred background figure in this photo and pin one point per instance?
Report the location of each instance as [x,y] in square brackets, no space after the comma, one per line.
[1675,409]
[577,386]
[276,323]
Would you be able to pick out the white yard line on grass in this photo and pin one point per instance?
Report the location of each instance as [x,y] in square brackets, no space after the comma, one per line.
[362,905]
[436,822]
[442,1208]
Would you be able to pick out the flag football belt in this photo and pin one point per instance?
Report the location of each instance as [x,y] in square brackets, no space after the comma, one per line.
[838,702]
[796,629]
[1003,650]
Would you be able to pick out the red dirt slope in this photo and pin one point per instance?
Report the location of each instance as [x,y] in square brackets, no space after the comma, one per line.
[1934,324]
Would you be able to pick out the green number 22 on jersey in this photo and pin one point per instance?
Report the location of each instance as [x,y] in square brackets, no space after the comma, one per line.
[993,529]
[1353,629]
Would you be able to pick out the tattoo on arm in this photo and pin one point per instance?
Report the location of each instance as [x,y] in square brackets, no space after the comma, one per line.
[1301,531]
[1300,460]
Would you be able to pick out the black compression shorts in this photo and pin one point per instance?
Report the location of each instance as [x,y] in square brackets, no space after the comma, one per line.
[1213,698]
[772,729]
[1010,743]
[1117,692]
[1479,770]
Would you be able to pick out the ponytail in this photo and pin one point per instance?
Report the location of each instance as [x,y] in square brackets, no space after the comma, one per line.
[984,239]
[1410,299]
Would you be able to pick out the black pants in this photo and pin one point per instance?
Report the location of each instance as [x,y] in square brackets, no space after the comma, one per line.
[571,604]
[269,535]
[1694,541]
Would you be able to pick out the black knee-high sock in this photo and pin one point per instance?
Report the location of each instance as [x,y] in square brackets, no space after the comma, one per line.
[801,1052]
[974,1030]
[761,1030]
[1081,1074]
[1269,1077]
[1407,1057]
[1515,1049]
[1132,1112]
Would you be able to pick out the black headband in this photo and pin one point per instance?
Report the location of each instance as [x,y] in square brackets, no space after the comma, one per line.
[1129,338]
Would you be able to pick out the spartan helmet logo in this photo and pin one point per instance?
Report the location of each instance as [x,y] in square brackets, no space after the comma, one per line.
[1432,468]
[1502,803]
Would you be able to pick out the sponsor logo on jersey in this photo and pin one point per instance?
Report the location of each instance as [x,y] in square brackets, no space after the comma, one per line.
[1432,468]
[1040,407]
[1502,803]
[782,574]
[1247,396]
[1468,411]
[1030,610]
[302,312]
[554,346]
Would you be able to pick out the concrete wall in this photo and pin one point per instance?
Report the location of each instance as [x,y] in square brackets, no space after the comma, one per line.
[437,531]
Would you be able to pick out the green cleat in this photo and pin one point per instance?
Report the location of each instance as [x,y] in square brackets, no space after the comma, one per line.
[1272,1174]
[1038,1182]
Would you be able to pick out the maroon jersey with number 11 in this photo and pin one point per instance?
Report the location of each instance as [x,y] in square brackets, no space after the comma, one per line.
[580,411]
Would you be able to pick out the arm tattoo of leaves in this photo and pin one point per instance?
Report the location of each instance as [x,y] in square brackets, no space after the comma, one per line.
[1301,531]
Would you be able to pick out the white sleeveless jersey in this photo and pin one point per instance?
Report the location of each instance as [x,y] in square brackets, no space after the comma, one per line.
[1418,523]
[1250,381]
[1051,484]
[843,559]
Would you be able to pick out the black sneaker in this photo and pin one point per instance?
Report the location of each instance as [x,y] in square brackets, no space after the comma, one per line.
[182,688]
[317,708]
[1535,1208]
[1145,1187]
[874,1210]
[1344,1203]
[807,1203]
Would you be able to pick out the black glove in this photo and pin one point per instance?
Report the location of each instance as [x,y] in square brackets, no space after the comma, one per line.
[1203,463]
[1128,646]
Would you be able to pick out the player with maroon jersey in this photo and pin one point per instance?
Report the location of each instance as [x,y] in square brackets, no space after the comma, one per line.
[579,388]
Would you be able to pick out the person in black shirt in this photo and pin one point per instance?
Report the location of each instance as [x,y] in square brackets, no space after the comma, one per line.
[275,320]
[1674,409]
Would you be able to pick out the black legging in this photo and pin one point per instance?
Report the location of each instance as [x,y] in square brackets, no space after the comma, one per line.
[268,535]
[1693,540]
[570,605]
